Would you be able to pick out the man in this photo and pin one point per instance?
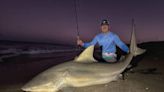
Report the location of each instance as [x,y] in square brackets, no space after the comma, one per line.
[108,40]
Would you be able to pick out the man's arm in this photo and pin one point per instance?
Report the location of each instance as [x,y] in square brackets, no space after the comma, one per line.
[121,44]
[93,42]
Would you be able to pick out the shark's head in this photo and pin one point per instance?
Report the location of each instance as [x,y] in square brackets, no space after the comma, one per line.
[40,88]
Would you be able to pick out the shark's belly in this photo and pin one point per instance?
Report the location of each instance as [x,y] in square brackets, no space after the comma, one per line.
[79,78]
[77,81]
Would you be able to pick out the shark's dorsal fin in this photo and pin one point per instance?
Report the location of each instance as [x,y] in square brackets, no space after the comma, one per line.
[86,56]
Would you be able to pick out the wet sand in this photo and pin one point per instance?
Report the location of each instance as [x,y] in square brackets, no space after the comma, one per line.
[16,71]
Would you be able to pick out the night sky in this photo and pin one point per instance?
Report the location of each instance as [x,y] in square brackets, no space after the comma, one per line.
[54,20]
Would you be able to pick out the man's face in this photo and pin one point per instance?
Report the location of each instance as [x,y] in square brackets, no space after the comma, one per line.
[105,28]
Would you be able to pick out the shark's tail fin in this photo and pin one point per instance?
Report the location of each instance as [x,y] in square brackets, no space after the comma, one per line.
[133,45]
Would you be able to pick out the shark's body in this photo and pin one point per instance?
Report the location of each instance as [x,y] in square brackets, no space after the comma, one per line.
[81,72]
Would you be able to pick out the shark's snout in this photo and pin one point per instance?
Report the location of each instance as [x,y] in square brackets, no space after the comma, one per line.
[43,88]
[26,89]
[29,88]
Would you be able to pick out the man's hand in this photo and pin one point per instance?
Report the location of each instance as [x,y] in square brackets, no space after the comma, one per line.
[79,42]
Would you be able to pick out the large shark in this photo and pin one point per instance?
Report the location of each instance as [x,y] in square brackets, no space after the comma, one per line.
[82,71]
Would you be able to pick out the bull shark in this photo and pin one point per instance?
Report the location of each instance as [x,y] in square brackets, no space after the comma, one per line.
[82,71]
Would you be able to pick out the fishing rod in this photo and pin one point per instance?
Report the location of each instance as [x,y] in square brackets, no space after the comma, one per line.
[76,19]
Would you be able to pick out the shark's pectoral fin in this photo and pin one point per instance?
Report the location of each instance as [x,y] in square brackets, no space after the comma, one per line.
[86,56]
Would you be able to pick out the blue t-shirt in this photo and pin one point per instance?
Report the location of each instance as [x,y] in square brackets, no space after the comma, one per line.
[108,41]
